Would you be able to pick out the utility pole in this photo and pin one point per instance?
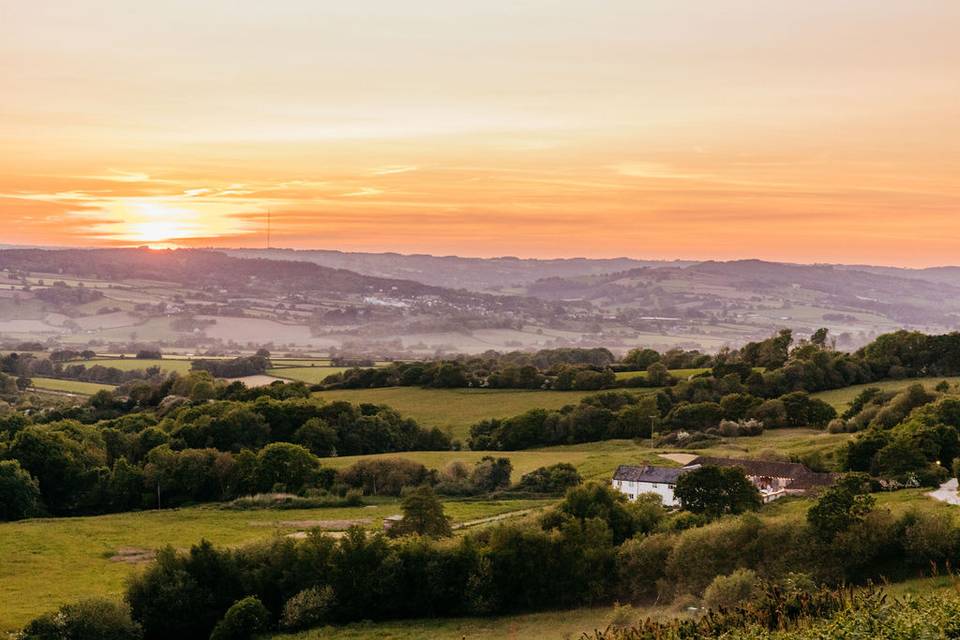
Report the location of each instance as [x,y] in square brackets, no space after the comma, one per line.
[268,229]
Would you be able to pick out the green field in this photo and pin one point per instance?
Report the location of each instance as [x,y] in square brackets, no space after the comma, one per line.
[70,386]
[61,560]
[308,374]
[458,409]
[841,398]
[551,624]
[681,374]
[167,365]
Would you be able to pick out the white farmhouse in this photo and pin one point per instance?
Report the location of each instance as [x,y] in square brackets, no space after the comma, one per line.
[772,479]
[634,481]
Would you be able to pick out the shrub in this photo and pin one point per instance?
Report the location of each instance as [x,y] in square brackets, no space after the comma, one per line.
[553,479]
[309,608]
[245,619]
[731,590]
[19,492]
[86,620]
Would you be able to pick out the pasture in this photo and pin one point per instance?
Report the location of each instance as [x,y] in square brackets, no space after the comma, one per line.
[840,399]
[680,374]
[66,559]
[70,386]
[548,624]
[457,409]
[309,374]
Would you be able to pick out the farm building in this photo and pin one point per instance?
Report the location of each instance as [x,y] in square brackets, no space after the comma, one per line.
[773,479]
[634,481]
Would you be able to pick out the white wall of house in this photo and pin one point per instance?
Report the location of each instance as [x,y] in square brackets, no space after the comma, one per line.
[634,489]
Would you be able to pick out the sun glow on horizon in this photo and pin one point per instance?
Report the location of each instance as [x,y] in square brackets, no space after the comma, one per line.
[166,222]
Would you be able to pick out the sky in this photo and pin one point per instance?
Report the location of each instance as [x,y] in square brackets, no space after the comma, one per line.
[816,131]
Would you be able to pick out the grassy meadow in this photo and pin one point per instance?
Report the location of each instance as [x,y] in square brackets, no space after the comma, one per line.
[553,624]
[65,559]
[840,399]
[680,374]
[70,386]
[458,409]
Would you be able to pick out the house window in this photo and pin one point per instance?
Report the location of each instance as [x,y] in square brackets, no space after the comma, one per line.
[655,485]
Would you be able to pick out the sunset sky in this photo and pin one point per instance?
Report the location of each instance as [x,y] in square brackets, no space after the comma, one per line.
[824,130]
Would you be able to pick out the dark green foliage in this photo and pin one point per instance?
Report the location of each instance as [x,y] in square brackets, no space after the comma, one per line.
[490,474]
[422,515]
[385,476]
[714,491]
[556,478]
[309,608]
[603,416]
[19,492]
[841,506]
[86,620]
[244,620]
[602,502]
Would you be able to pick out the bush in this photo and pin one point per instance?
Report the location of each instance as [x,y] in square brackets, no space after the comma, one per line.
[86,620]
[309,608]
[245,619]
[553,479]
[19,492]
[729,591]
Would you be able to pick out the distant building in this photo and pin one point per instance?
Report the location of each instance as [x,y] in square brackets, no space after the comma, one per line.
[773,479]
[634,481]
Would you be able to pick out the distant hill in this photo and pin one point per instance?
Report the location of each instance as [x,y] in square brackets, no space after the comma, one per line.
[745,286]
[477,274]
[198,267]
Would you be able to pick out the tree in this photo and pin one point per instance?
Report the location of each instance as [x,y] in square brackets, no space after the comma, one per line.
[422,514]
[841,506]
[491,473]
[289,465]
[19,492]
[245,619]
[641,358]
[596,500]
[553,479]
[86,620]
[657,375]
[715,491]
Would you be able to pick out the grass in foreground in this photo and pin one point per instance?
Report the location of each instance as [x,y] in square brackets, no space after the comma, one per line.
[550,624]
[51,562]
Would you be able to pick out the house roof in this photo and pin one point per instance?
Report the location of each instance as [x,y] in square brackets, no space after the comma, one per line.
[755,467]
[649,473]
[800,476]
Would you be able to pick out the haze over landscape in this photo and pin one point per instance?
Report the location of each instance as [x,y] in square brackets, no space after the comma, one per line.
[479,320]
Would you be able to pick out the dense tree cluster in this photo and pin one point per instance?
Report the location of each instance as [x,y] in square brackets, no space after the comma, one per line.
[602,416]
[236,368]
[560,369]
[911,440]
[212,450]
